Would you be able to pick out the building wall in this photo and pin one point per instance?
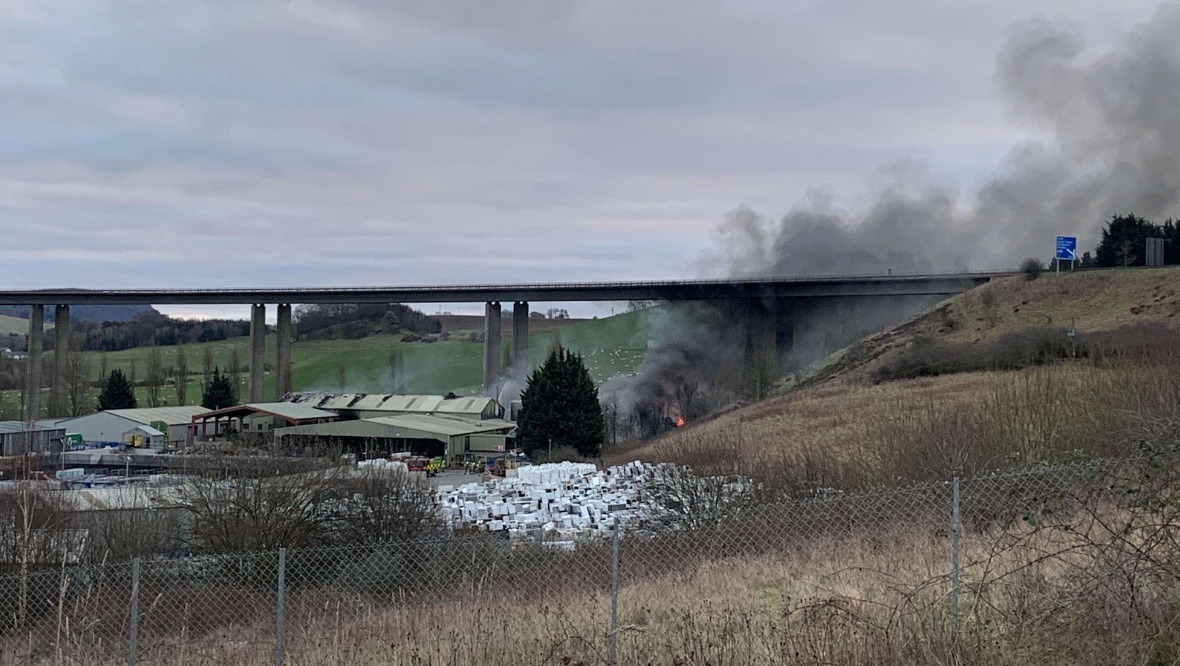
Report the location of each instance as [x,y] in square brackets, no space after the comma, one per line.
[488,443]
[99,427]
[261,423]
[14,443]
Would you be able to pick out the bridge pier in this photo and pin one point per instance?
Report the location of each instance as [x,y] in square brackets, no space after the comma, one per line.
[520,339]
[491,344]
[762,333]
[257,351]
[33,368]
[283,351]
[59,391]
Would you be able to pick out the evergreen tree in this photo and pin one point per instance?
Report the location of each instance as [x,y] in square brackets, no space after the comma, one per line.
[116,394]
[560,404]
[219,392]
[1124,241]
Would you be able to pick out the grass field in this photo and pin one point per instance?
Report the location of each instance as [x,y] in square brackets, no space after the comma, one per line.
[17,326]
[610,346]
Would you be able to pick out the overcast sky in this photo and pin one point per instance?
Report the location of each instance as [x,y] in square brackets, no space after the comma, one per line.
[376,142]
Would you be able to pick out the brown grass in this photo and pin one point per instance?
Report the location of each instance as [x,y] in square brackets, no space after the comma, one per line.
[854,435]
[860,598]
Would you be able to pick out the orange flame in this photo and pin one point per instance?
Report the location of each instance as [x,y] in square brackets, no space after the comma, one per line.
[680,422]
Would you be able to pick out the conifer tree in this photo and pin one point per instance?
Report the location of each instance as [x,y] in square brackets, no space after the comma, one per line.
[219,392]
[117,393]
[560,405]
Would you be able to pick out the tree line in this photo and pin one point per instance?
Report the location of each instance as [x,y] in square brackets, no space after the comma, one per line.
[1124,242]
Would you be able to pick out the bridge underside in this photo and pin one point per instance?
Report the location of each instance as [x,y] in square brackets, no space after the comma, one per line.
[788,323]
[786,335]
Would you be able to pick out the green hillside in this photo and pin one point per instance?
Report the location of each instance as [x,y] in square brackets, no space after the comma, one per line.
[610,346]
[17,326]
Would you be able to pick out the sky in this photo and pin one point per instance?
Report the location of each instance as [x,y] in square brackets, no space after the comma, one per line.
[166,143]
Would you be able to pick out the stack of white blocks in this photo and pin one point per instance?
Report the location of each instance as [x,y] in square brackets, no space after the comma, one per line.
[383,464]
[561,501]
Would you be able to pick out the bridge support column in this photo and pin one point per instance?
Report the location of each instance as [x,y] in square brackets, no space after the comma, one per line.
[59,390]
[761,364]
[33,369]
[491,345]
[520,339]
[257,351]
[283,351]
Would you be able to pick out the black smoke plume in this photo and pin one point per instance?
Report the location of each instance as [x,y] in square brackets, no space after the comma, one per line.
[1111,125]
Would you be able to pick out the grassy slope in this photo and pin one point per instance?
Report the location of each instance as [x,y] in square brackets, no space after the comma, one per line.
[17,326]
[611,346]
[836,406]
[1090,302]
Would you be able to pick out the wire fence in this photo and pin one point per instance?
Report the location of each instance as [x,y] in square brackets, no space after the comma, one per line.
[949,565]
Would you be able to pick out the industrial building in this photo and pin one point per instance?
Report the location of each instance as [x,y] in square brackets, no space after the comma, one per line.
[261,417]
[18,437]
[109,427]
[370,405]
[453,437]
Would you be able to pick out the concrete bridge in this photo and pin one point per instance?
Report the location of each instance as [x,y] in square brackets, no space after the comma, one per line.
[770,308]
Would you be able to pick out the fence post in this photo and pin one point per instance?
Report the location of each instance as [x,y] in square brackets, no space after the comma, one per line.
[955,527]
[133,635]
[280,620]
[613,648]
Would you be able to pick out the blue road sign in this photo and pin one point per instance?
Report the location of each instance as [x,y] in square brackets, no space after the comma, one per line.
[1067,248]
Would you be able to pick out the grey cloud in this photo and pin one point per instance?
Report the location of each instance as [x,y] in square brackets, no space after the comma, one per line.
[569,140]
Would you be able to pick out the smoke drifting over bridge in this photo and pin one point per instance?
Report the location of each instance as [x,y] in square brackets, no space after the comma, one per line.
[1112,145]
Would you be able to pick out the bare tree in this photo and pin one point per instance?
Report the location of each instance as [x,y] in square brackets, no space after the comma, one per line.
[118,535]
[207,367]
[102,368]
[342,375]
[397,370]
[235,373]
[155,377]
[78,369]
[385,505]
[181,375]
[682,500]
[33,533]
[257,514]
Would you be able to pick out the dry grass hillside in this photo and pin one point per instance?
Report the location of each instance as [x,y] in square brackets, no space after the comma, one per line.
[844,427]
[1093,301]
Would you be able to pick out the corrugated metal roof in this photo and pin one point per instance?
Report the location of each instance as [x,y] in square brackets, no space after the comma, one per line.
[289,410]
[147,430]
[20,426]
[386,402]
[440,424]
[170,415]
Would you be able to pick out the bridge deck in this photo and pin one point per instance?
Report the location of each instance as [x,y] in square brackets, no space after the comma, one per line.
[777,287]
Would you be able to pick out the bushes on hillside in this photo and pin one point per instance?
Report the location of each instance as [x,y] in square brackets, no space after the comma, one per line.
[1012,351]
[1031,347]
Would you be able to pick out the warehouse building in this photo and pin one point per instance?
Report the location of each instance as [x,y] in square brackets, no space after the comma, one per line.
[261,417]
[455,438]
[18,437]
[370,405]
[107,428]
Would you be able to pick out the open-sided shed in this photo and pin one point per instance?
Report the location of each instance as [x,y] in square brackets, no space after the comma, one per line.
[424,434]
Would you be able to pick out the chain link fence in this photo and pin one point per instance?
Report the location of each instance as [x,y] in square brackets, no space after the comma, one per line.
[930,572]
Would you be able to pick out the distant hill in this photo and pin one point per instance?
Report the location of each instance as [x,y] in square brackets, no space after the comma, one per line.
[92,313]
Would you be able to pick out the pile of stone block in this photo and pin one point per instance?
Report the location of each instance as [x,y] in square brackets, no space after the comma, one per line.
[559,502]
